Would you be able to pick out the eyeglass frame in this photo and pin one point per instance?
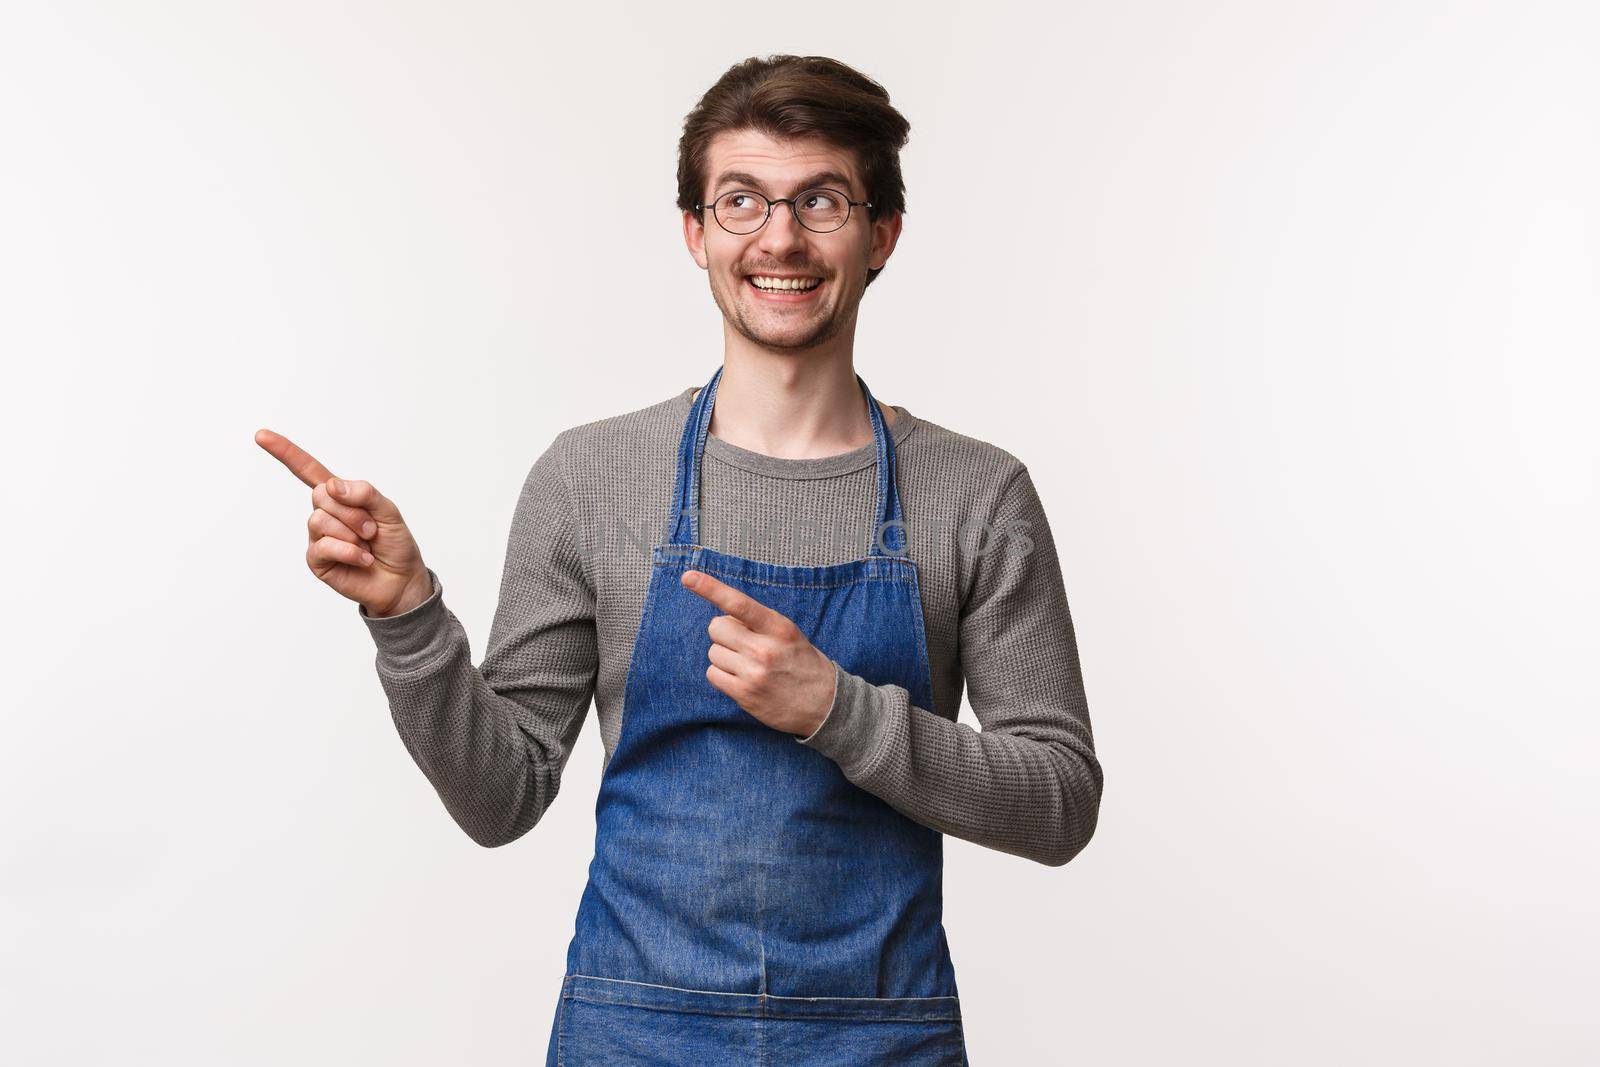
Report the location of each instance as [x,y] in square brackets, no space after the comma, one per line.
[850,206]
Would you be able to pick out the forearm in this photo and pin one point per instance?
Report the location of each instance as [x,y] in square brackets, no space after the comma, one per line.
[1029,785]
[495,767]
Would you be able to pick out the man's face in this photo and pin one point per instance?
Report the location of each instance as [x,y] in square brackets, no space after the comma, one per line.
[783,248]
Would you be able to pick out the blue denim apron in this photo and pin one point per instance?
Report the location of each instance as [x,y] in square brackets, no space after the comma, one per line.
[747,904]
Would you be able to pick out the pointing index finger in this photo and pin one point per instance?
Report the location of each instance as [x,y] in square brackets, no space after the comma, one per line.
[298,460]
[745,608]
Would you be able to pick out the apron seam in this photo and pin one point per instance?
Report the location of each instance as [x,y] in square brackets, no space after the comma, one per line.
[735,993]
[783,584]
[755,1016]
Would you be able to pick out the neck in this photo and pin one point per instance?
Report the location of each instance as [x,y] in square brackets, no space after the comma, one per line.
[791,406]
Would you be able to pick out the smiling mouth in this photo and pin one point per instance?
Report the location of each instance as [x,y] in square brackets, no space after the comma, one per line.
[787,290]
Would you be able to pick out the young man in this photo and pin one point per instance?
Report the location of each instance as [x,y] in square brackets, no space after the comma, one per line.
[778,662]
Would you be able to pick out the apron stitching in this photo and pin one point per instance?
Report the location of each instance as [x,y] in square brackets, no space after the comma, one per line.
[633,664]
[730,993]
[790,585]
[761,938]
[561,1025]
[822,1017]
[922,646]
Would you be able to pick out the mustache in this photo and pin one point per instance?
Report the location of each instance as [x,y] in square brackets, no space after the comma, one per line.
[810,272]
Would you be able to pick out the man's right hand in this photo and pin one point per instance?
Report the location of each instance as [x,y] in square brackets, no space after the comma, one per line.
[359,544]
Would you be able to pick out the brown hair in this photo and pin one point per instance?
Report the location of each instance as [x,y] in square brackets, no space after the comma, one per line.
[800,96]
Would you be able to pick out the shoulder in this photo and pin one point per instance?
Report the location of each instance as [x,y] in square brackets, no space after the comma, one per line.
[949,462]
[664,418]
[970,496]
[614,455]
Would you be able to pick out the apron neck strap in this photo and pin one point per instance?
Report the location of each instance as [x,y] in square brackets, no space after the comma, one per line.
[888,519]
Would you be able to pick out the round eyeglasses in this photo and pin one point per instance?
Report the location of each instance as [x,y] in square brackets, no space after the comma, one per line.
[818,210]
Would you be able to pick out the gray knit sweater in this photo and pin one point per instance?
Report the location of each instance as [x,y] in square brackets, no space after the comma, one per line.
[493,739]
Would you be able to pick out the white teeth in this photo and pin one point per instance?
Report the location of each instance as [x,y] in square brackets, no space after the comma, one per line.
[762,282]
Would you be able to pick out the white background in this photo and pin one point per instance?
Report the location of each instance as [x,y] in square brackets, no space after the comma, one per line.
[1298,340]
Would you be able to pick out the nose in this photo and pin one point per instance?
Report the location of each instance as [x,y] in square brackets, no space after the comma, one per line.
[783,233]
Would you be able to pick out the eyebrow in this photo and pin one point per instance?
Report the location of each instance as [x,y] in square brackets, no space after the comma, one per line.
[821,177]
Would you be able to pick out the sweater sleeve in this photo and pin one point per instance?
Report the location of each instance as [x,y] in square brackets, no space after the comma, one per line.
[1029,782]
[493,740]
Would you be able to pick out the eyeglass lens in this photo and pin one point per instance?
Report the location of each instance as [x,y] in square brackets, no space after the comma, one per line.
[817,209]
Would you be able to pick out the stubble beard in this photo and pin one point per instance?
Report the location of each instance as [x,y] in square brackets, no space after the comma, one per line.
[821,330]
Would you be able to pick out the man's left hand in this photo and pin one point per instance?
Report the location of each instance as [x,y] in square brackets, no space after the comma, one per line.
[762,660]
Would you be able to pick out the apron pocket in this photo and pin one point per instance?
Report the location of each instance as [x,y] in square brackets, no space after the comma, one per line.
[851,1043]
[623,1035]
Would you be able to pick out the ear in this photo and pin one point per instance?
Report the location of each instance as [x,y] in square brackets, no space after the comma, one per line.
[885,235]
[694,236]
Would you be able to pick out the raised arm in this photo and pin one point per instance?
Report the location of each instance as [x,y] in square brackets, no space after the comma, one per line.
[1029,782]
